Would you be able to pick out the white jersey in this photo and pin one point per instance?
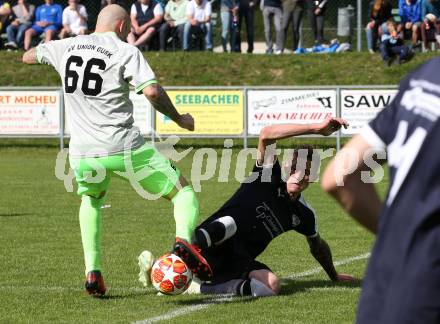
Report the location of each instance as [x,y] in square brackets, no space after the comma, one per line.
[96,71]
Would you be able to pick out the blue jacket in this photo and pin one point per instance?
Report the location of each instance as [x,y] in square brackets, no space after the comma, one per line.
[410,13]
[51,13]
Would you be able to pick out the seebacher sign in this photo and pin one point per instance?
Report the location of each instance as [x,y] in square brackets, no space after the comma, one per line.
[216,112]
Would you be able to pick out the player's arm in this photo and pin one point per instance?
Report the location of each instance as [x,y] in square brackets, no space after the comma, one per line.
[270,134]
[359,199]
[160,101]
[30,56]
[322,253]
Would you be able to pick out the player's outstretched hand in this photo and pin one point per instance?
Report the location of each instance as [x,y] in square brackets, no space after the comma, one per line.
[331,125]
[186,121]
[343,277]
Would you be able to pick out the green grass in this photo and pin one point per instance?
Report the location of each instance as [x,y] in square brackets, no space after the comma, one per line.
[211,69]
[41,278]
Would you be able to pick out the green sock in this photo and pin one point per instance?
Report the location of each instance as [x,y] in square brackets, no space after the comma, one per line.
[186,212]
[91,227]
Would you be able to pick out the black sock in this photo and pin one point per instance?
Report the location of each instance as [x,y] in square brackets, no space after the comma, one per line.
[245,288]
[229,287]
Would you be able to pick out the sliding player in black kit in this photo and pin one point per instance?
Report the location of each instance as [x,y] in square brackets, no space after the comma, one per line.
[262,208]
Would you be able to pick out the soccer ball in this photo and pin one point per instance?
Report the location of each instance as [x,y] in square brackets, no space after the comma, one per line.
[170,275]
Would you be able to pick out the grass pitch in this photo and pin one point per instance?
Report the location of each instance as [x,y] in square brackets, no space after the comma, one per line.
[42,274]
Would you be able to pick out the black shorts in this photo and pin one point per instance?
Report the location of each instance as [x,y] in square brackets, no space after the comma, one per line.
[230,261]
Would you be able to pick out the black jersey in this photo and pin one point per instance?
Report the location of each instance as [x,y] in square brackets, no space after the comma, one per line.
[402,284]
[262,210]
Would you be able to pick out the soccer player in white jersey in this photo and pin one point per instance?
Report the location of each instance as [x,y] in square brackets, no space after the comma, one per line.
[96,71]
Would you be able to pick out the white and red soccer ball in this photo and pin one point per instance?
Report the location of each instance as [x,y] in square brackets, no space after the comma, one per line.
[170,275]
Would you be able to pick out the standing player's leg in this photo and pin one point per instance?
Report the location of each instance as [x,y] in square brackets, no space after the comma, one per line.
[93,180]
[161,178]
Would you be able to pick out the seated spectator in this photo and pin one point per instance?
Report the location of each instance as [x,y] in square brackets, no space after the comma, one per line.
[5,11]
[410,16]
[199,23]
[146,16]
[48,20]
[316,9]
[229,13]
[392,46]
[74,20]
[272,10]
[23,14]
[431,21]
[175,19]
[380,13]
[292,13]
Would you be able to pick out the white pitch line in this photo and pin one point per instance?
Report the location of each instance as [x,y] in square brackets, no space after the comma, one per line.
[185,310]
[206,304]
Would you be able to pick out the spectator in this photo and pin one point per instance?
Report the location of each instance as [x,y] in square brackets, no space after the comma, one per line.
[392,45]
[292,13]
[410,16]
[48,20]
[23,14]
[380,13]
[199,23]
[74,20]
[246,13]
[229,14]
[431,21]
[272,9]
[316,9]
[175,19]
[146,16]
[5,11]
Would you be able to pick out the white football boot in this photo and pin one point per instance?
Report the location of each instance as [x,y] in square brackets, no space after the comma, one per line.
[146,261]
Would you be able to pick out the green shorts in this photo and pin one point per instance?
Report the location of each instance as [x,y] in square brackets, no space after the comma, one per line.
[145,168]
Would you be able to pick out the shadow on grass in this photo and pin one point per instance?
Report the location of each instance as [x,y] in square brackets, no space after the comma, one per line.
[214,299]
[15,214]
[291,287]
[128,295]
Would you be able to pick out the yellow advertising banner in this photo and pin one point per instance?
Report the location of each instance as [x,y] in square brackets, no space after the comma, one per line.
[215,112]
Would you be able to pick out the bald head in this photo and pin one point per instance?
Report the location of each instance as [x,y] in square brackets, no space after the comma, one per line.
[110,19]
